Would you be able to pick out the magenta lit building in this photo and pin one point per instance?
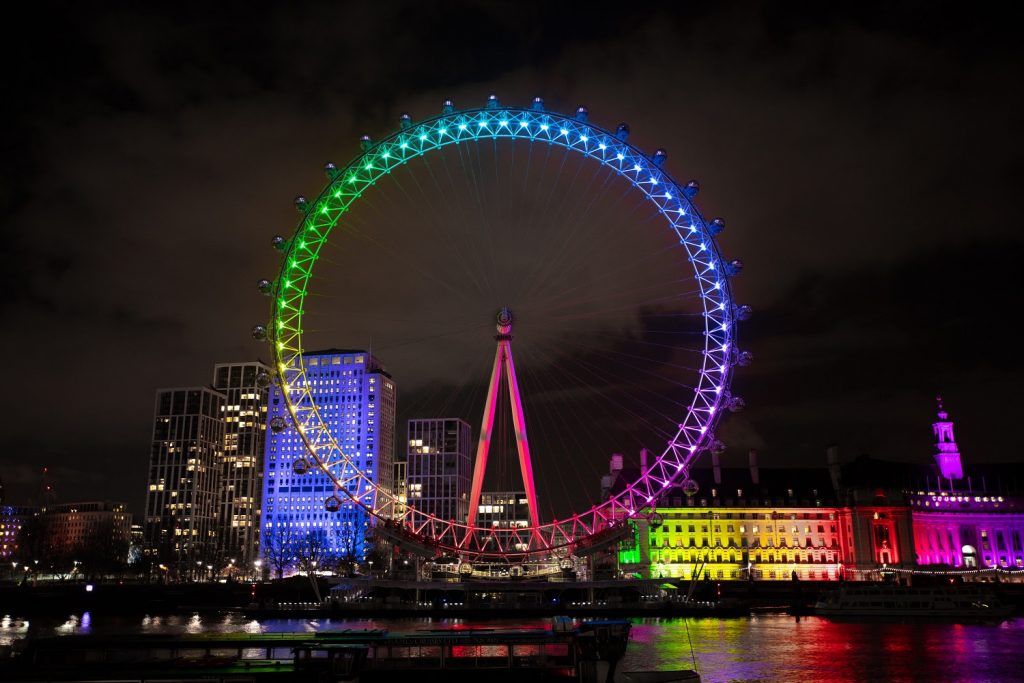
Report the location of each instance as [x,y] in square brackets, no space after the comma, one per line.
[972,519]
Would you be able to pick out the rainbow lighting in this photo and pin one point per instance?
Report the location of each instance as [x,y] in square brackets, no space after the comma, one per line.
[534,124]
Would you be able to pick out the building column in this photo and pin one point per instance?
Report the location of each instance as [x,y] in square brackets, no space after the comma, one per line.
[644,541]
[904,538]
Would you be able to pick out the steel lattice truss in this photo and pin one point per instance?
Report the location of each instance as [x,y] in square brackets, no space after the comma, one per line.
[573,132]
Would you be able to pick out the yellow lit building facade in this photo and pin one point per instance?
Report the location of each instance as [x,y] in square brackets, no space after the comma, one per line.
[765,525]
[738,543]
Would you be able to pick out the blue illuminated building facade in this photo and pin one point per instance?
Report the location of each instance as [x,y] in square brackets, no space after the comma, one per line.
[356,399]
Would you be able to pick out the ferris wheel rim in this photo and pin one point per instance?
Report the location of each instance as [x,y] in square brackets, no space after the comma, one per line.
[572,133]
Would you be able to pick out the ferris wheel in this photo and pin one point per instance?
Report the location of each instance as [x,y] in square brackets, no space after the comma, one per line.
[705,269]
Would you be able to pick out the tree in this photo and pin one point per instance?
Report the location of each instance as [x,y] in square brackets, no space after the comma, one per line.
[345,547]
[277,550]
[312,552]
[32,549]
[379,557]
[105,551]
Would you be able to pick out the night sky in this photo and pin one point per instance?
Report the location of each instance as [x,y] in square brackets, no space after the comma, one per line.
[868,163]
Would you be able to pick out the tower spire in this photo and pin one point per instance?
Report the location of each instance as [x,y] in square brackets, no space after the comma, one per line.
[503,362]
[947,455]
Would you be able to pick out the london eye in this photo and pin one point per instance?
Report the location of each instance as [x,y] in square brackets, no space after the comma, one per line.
[704,345]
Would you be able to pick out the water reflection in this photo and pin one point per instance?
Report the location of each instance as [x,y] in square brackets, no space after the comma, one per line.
[12,629]
[778,648]
[195,625]
[761,648]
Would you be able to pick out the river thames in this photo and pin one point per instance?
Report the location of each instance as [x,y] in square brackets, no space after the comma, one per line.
[770,648]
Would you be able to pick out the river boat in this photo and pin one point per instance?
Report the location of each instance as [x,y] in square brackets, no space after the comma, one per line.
[912,601]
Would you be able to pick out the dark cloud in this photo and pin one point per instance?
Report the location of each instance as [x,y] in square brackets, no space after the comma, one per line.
[855,357]
[866,157]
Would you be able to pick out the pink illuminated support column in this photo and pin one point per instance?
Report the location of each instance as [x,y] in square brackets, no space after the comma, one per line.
[484,445]
[503,361]
[522,442]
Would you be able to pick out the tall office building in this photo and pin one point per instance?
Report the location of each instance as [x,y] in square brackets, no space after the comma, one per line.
[184,477]
[356,400]
[439,467]
[241,469]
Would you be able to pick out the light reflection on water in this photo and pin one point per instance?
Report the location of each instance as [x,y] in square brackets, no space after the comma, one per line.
[779,648]
[762,648]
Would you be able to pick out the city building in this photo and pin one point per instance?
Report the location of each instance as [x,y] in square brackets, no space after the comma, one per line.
[964,517]
[851,520]
[748,523]
[758,523]
[972,521]
[970,528]
[356,399]
[241,468]
[136,543]
[439,467]
[876,522]
[87,532]
[181,515]
[504,510]
[401,488]
[12,518]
